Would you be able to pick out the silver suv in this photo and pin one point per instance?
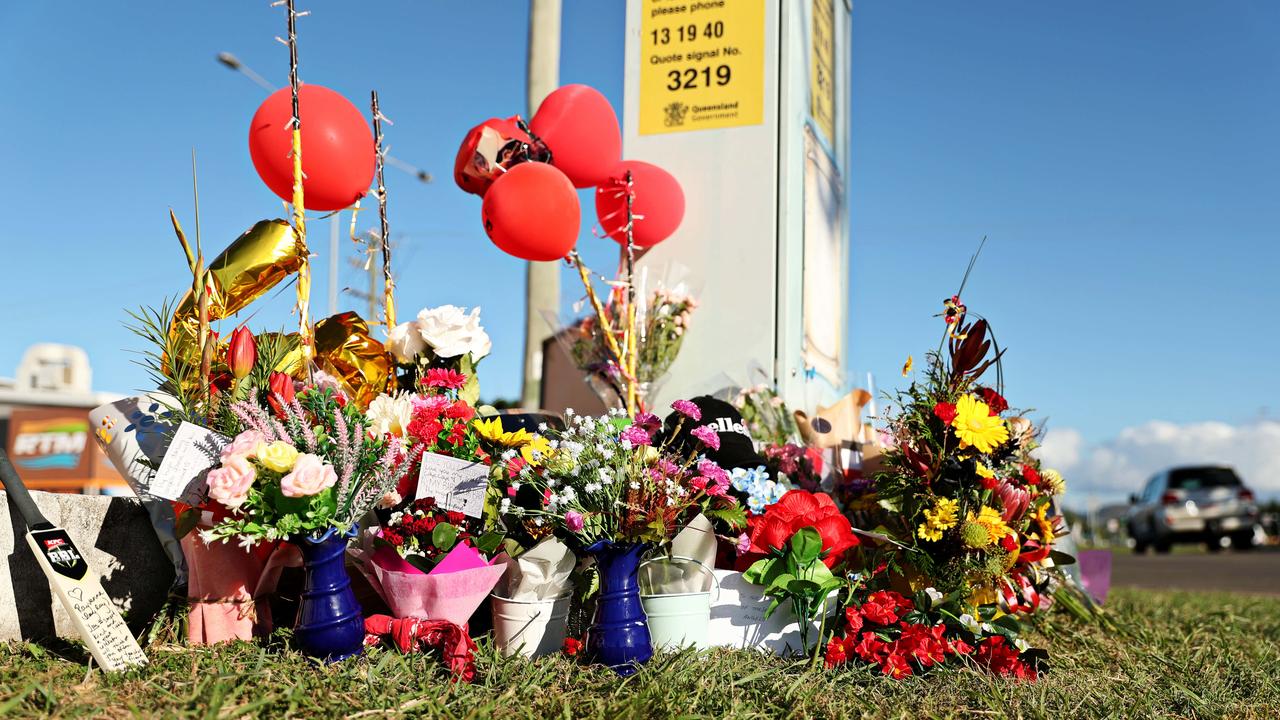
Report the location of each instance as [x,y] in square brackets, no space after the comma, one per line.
[1192,504]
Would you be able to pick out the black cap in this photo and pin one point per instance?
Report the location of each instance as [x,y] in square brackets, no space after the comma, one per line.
[737,450]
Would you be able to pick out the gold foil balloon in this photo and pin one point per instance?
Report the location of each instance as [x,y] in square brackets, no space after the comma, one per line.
[346,351]
[256,262]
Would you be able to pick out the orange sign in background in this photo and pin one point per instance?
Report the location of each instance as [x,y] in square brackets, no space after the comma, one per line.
[51,449]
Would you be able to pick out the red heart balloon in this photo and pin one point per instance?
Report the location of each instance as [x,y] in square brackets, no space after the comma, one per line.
[579,126]
[658,204]
[337,147]
[532,212]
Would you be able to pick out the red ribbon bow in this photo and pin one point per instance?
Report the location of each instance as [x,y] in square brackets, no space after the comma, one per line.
[417,634]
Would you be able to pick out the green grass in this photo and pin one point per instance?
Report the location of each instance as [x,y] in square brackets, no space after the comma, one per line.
[1181,655]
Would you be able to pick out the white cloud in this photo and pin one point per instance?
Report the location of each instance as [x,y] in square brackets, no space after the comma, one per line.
[1109,471]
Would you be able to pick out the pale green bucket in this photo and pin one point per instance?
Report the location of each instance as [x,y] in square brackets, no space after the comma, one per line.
[679,620]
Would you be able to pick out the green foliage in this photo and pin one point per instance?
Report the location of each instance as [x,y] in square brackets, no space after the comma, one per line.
[797,575]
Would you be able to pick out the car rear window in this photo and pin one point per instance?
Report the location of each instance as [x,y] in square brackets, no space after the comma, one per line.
[1196,478]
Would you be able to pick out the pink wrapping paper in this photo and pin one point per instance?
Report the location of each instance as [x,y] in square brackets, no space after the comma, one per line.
[438,595]
[223,584]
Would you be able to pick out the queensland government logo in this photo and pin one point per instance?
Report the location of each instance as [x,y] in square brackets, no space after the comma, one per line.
[675,114]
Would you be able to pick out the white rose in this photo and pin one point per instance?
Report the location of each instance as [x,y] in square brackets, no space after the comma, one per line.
[405,342]
[390,415]
[451,332]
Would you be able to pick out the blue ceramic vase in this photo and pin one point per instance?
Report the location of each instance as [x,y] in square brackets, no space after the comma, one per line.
[619,636]
[330,625]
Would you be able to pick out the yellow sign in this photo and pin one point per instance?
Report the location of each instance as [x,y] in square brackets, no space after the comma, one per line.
[701,64]
[822,85]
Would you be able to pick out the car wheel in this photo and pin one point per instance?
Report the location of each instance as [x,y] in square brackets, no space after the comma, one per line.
[1213,544]
[1139,545]
[1242,541]
[1163,546]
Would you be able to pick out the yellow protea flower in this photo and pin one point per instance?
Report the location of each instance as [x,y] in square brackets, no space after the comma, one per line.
[1052,482]
[939,518]
[976,426]
[989,518]
[492,431]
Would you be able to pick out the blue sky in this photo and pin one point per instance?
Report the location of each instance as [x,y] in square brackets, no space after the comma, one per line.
[1121,158]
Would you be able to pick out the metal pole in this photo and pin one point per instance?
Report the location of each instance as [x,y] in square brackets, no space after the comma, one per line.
[542,279]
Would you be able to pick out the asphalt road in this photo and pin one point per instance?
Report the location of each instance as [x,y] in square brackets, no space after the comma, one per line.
[1257,571]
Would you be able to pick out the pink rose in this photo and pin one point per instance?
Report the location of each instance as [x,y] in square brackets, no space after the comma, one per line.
[230,483]
[310,476]
[244,444]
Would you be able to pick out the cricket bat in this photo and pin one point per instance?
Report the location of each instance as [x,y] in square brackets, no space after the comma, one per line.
[75,583]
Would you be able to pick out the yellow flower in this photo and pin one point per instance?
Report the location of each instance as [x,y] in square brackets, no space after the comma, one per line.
[537,450]
[989,518]
[975,425]
[278,456]
[984,471]
[1043,525]
[938,519]
[906,368]
[492,431]
[1052,482]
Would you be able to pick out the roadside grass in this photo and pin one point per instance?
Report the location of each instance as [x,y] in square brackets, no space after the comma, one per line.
[1179,655]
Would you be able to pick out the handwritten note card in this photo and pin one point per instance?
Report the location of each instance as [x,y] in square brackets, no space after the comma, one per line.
[455,484]
[192,453]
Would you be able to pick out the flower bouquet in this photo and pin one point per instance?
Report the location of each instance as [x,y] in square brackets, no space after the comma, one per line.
[432,563]
[606,488]
[303,468]
[968,513]
[442,338]
[661,321]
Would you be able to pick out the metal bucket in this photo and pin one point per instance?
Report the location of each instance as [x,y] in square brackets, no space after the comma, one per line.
[530,627]
[678,620]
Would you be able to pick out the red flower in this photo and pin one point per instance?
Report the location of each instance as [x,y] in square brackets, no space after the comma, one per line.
[242,352]
[455,517]
[836,654]
[571,646]
[994,400]
[1009,543]
[444,379]
[989,483]
[460,410]
[425,429]
[457,433]
[1002,659]
[1030,475]
[945,412]
[882,607]
[895,665]
[853,621]
[959,647]
[870,648]
[281,387]
[800,509]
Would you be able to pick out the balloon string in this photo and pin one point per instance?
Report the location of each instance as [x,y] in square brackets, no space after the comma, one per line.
[305,337]
[602,319]
[388,282]
[631,300]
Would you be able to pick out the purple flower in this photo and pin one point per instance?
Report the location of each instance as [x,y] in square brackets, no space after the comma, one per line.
[668,468]
[744,544]
[636,436]
[573,521]
[687,409]
[649,422]
[708,435]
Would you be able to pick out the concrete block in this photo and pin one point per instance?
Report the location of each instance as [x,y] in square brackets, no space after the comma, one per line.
[115,536]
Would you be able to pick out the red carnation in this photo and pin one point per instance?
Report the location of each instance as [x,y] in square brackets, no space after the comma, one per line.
[444,379]
[945,412]
[994,400]
[1030,475]
[460,410]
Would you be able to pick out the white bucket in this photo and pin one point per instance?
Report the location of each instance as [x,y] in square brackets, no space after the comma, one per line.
[678,620]
[530,627]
